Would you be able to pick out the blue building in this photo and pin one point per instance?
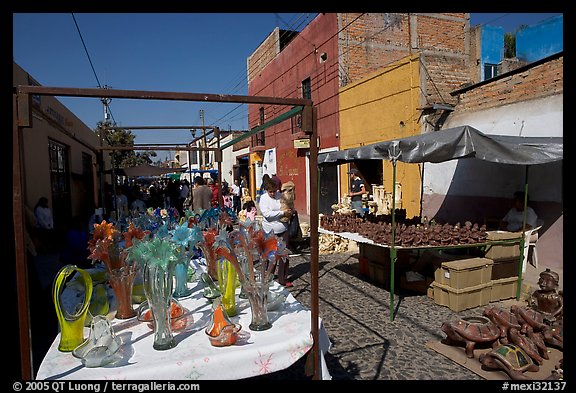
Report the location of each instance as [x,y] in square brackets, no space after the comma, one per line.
[540,40]
[533,43]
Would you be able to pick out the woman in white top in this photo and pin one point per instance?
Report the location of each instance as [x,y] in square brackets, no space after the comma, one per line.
[271,214]
[43,214]
[44,226]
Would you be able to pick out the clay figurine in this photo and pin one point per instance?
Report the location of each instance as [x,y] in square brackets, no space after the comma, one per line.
[554,335]
[509,358]
[526,344]
[539,341]
[504,319]
[547,299]
[529,317]
[470,331]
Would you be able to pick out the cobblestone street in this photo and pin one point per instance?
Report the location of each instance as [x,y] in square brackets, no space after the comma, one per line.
[366,345]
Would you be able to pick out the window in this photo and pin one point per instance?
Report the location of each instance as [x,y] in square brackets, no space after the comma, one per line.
[58,168]
[259,139]
[307,89]
[490,70]
[194,157]
[262,117]
[296,121]
[60,181]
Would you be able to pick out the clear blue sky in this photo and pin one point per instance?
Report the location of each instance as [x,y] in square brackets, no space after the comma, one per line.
[199,53]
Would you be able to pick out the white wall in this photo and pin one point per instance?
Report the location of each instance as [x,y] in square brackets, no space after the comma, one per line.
[541,117]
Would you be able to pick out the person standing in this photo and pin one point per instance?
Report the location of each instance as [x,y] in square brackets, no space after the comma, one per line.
[226,197]
[271,222]
[122,207]
[201,196]
[44,225]
[183,194]
[262,189]
[43,214]
[235,196]
[243,188]
[357,189]
[138,206]
[214,188]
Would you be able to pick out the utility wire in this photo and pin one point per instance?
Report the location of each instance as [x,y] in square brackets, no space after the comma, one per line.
[307,54]
[86,50]
[243,79]
[93,69]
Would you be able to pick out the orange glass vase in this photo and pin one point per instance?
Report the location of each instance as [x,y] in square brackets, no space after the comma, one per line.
[122,282]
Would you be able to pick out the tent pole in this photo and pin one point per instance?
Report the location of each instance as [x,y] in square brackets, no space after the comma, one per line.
[523,238]
[314,267]
[393,240]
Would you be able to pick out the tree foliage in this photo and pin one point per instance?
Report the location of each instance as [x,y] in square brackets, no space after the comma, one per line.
[120,137]
[509,45]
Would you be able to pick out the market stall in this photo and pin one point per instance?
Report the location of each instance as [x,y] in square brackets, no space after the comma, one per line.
[22,118]
[462,142]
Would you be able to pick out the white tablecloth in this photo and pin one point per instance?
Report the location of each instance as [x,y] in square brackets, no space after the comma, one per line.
[255,353]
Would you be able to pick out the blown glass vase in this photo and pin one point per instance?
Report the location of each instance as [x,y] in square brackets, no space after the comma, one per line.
[181,277]
[257,293]
[158,289]
[122,282]
[71,325]
[227,278]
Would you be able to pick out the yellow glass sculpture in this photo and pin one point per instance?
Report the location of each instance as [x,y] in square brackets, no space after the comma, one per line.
[71,325]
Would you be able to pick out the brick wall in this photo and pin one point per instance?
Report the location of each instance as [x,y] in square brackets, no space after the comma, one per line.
[264,54]
[540,81]
[375,40]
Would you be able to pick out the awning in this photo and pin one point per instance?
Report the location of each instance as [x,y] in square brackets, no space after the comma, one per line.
[455,143]
[145,170]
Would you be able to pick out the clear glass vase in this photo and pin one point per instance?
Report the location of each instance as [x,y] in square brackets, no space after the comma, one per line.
[158,289]
[122,282]
[243,262]
[257,293]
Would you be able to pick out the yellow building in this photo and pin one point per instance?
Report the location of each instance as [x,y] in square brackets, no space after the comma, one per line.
[382,106]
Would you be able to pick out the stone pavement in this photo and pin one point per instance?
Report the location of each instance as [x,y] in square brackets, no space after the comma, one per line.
[366,345]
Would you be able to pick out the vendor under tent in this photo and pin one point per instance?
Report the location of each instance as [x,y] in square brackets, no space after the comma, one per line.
[450,144]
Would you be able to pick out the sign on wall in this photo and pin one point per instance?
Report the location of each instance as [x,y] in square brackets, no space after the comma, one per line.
[269,162]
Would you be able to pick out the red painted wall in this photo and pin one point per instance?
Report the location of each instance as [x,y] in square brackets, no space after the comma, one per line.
[283,77]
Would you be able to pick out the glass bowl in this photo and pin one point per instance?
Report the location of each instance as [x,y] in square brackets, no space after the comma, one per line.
[179,315]
[228,335]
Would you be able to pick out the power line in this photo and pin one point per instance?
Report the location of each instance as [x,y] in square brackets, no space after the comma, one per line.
[243,80]
[106,102]
[86,50]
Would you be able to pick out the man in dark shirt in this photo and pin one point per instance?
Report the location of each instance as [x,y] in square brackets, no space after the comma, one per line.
[357,189]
